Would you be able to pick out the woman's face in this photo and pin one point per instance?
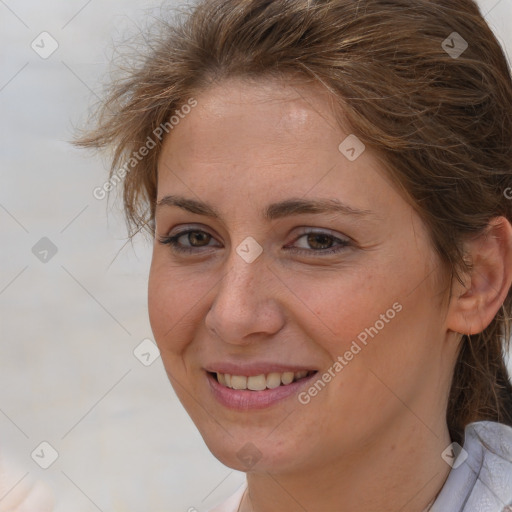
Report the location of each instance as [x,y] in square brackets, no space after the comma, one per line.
[300,257]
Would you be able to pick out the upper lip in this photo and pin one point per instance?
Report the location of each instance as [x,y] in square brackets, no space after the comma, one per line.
[256,368]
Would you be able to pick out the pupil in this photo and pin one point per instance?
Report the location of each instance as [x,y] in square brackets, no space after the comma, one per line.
[325,241]
[197,237]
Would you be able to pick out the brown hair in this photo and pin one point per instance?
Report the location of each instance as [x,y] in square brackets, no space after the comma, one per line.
[441,122]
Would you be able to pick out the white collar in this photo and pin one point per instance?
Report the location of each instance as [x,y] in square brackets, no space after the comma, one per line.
[483,482]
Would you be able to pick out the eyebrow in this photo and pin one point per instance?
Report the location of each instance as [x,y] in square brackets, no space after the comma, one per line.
[293,206]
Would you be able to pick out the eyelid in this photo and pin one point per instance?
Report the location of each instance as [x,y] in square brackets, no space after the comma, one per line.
[323,231]
[182,230]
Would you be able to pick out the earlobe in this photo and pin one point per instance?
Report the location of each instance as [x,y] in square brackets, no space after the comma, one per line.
[474,304]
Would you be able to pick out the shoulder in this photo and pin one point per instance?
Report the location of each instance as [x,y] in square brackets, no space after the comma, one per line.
[232,503]
[481,476]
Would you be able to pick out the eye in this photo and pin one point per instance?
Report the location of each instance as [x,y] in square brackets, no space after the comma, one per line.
[318,242]
[188,241]
[310,242]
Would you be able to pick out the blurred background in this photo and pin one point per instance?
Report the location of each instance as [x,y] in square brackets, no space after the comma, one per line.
[83,392]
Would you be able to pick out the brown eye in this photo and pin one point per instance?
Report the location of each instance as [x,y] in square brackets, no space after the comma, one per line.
[317,243]
[188,241]
[320,240]
[198,238]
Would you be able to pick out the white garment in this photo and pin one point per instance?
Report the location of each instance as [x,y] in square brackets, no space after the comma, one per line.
[482,483]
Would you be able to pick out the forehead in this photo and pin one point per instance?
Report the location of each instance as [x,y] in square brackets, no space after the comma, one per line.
[247,144]
[255,115]
[263,92]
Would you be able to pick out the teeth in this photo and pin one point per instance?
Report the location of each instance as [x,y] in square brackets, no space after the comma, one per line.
[287,378]
[260,382]
[238,382]
[273,380]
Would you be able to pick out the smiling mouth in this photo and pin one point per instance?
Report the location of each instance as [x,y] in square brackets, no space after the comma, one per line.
[260,382]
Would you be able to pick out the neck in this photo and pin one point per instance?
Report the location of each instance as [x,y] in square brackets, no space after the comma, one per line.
[402,470]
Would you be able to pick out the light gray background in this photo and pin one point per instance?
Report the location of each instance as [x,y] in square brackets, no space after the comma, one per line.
[69,326]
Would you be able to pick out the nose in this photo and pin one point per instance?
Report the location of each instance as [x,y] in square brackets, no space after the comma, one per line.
[246,304]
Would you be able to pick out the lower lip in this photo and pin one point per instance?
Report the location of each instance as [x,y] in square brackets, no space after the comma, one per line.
[243,400]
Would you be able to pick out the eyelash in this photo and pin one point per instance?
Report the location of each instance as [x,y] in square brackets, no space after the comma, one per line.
[172,241]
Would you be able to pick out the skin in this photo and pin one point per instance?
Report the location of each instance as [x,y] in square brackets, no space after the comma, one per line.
[372,438]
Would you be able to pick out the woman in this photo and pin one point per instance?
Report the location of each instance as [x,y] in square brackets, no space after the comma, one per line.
[332,264]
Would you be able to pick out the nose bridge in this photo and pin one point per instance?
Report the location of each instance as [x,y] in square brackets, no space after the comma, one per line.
[246,268]
[241,282]
[243,303]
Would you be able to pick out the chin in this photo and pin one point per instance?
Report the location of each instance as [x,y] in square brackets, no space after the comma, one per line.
[246,452]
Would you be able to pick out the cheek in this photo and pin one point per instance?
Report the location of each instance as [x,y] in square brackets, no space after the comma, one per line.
[369,313]
[339,305]
[175,299]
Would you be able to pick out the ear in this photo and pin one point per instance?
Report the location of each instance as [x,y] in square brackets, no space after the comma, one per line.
[474,304]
